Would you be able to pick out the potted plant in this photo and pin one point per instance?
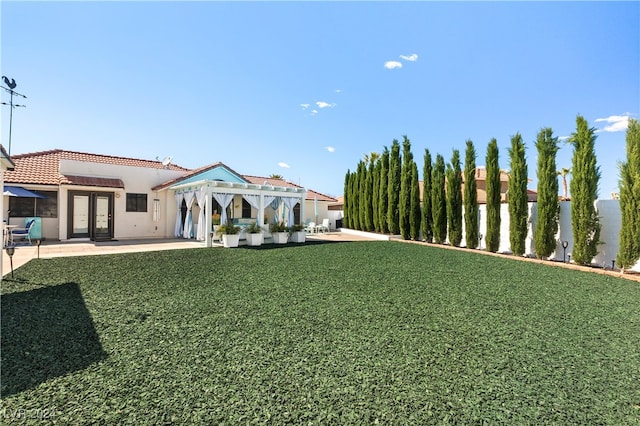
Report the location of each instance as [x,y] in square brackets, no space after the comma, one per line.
[230,234]
[254,234]
[298,235]
[279,232]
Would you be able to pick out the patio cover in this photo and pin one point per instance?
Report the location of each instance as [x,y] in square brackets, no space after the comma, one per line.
[266,194]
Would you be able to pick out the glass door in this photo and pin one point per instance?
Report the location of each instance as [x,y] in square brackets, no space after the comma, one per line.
[103,223]
[90,215]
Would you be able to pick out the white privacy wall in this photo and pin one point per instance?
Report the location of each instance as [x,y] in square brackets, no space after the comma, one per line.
[610,221]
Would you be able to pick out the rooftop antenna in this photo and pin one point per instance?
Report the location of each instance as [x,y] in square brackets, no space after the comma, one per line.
[11,85]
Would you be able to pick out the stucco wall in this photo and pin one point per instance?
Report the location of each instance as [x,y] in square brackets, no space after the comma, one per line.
[610,220]
[137,180]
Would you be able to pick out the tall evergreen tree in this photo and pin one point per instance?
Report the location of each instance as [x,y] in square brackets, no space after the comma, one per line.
[439,201]
[471,209]
[629,252]
[584,192]
[427,217]
[518,207]
[393,189]
[415,204]
[346,216]
[362,197]
[454,199]
[376,196]
[548,204]
[405,189]
[493,197]
[356,196]
[383,202]
[368,206]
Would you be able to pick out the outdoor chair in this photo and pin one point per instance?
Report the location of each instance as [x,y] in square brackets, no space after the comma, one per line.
[324,226]
[310,228]
[24,233]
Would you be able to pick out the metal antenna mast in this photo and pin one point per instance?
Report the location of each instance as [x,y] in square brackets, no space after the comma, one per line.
[11,85]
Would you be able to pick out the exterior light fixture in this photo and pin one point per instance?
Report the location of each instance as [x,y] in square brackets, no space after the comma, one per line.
[11,251]
[569,259]
[38,242]
[613,264]
[565,244]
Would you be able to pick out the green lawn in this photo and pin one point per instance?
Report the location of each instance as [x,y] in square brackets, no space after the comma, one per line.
[349,333]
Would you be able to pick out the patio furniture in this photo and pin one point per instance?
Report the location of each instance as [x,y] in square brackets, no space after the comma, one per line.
[23,233]
[310,228]
[324,226]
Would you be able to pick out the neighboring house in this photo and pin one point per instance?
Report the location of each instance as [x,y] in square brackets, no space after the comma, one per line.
[109,197]
[481,183]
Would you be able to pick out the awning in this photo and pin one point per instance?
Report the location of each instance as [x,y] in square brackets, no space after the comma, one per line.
[18,191]
[92,181]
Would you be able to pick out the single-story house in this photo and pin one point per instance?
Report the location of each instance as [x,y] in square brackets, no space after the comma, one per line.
[94,196]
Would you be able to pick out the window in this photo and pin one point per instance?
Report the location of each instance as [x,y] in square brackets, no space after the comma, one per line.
[246,209]
[136,202]
[43,207]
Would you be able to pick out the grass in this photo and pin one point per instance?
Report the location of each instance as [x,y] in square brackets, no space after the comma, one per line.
[347,333]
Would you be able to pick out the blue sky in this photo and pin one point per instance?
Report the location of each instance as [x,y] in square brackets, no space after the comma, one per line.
[306,89]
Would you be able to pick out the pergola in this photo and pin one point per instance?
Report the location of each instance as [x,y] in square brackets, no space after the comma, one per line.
[259,196]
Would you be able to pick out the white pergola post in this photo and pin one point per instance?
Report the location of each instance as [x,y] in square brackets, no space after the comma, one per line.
[303,197]
[261,209]
[207,220]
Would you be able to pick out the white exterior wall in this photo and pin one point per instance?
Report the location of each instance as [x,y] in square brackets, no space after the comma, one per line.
[323,212]
[610,221]
[137,180]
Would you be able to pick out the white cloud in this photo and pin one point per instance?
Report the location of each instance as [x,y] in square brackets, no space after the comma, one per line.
[563,138]
[330,149]
[284,165]
[411,58]
[338,90]
[322,104]
[617,123]
[390,65]
[304,106]
[314,111]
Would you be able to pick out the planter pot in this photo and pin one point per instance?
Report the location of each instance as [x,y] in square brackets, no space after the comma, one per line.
[280,237]
[230,240]
[254,239]
[298,236]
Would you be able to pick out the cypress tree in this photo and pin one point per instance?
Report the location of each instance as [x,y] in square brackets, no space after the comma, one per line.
[629,252]
[415,204]
[383,202]
[584,192]
[493,197]
[368,205]
[427,217]
[405,189]
[438,201]
[345,200]
[548,204]
[362,195]
[376,196]
[518,208]
[470,197]
[454,199]
[355,197]
[393,189]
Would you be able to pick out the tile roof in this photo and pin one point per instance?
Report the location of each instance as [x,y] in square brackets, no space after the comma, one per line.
[44,167]
[311,194]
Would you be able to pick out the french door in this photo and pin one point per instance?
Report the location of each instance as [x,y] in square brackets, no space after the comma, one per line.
[90,215]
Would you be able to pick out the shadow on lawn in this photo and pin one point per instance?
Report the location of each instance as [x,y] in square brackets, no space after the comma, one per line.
[46,332]
[289,245]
